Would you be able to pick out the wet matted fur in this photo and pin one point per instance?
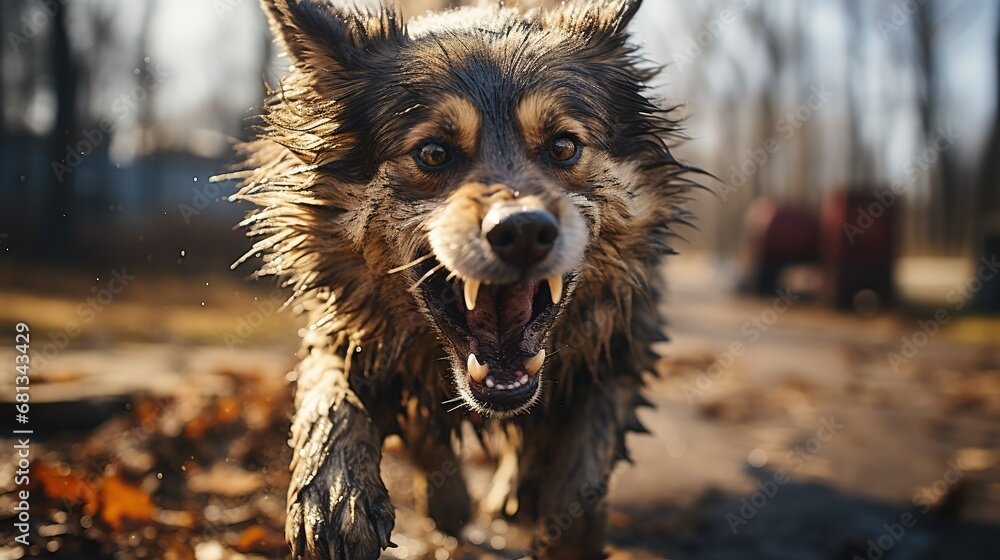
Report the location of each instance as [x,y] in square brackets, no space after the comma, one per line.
[471,210]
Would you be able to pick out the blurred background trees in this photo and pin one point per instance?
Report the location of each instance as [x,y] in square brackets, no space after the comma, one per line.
[116,112]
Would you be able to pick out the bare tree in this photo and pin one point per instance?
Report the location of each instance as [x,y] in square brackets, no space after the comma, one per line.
[151,168]
[61,202]
[987,199]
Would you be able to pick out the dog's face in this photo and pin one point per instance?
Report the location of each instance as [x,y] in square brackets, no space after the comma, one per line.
[484,161]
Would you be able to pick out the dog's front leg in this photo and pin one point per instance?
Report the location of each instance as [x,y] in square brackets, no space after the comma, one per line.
[338,507]
[440,488]
[564,476]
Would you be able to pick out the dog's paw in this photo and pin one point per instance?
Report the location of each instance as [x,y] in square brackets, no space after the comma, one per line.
[339,522]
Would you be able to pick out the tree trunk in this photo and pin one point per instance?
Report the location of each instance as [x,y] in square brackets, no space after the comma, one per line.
[987,215]
[61,197]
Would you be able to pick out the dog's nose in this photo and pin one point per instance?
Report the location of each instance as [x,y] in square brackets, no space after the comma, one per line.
[524,238]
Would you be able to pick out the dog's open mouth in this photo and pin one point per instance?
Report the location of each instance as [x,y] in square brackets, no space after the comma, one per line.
[498,330]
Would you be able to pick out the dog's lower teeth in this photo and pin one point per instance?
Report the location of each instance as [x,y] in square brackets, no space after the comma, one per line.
[534,363]
[490,383]
[477,371]
[555,289]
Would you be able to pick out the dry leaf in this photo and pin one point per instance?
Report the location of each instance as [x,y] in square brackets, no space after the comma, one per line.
[259,539]
[121,501]
[225,411]
[66,486]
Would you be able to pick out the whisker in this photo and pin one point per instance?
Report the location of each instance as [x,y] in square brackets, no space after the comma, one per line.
[430,273]
[458,407]
[449,401]
[411,264]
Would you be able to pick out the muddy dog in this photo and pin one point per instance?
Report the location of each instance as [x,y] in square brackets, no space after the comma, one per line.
[471,210]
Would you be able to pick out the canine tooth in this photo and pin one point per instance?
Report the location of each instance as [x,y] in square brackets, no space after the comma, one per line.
[535,362]
[476,370]
[555,289]
[471,293]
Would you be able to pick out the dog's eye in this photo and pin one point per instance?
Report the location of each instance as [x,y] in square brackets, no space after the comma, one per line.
[563,150]
[433,155]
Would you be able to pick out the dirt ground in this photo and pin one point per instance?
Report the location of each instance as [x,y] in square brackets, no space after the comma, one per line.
[783,430]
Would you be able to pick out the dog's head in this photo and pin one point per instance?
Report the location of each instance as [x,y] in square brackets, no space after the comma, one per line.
[485,163]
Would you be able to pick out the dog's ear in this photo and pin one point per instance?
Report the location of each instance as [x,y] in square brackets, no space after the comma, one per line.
[591,18]
[320,36]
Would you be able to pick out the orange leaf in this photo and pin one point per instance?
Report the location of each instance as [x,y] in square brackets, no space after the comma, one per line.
[147,412]
[259,539]
[228,410]
[64,485]
[225,411]
[121,501]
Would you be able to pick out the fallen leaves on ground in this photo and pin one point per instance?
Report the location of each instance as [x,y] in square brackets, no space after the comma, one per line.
[169,477]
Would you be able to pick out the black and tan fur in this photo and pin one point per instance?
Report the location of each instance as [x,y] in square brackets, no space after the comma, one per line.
[352,223]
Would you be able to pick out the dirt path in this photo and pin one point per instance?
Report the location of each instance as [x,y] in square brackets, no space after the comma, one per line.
[783,430]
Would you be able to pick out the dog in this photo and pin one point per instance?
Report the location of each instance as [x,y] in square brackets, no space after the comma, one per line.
[471,210]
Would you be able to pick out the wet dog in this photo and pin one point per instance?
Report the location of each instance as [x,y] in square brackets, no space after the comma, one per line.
[471,211]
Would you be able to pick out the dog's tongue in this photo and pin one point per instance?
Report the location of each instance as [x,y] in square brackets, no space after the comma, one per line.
[500,316]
